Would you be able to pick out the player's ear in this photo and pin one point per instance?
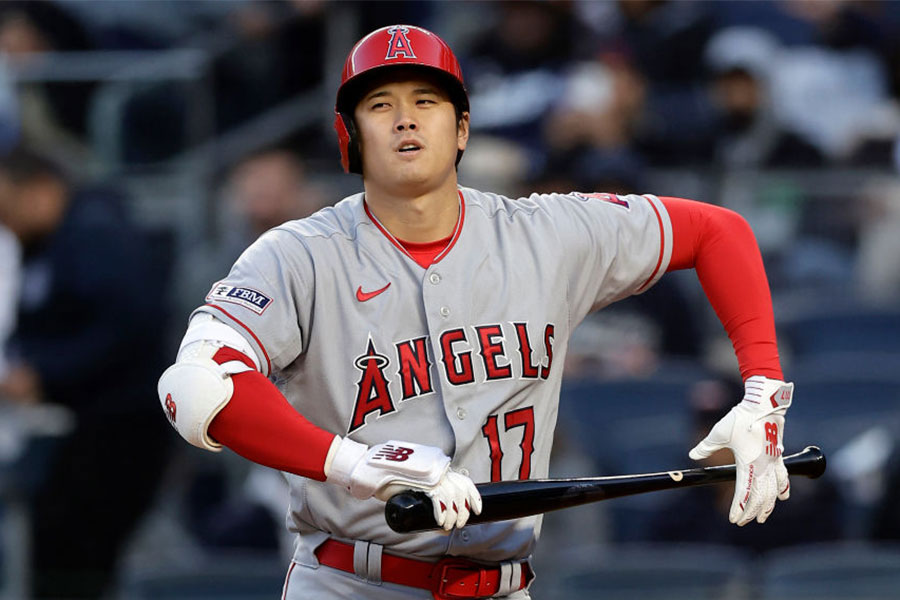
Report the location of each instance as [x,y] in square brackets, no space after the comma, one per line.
[462,131]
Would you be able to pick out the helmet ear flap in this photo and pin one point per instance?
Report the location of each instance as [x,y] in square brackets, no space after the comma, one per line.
[348,138]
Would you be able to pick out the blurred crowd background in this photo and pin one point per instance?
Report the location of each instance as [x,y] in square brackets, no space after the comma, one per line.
[144,144]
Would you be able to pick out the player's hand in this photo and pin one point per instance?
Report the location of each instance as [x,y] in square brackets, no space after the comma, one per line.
[389,468]
[753,431]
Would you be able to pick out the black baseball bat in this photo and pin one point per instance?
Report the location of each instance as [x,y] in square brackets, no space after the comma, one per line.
[412,510]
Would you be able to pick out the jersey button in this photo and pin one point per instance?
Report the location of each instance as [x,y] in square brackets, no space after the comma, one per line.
[445,312]
[464,471]
[460,413]
[434,278]
[464,536]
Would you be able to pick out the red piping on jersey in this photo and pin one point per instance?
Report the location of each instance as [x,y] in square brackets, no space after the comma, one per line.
[287,579]
[385,232]
[719,244]
[457,231]
[250,331]
[662,246]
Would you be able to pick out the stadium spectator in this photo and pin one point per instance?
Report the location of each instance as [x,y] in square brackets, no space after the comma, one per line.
[878,255]
[515,70]
[666,39]
[53,114]
[262,54]
[278,52]
[590,133]
[10,126]
[851,102]
[747,133]
[268,188]
[263,190]
[88,338]
[664,42]
[10,261]
[836,56]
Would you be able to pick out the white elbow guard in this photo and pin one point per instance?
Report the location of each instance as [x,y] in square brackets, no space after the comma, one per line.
[206,334]
[192,392]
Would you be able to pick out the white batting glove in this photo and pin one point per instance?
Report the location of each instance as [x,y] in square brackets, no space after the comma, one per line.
[389,468]
[753,431]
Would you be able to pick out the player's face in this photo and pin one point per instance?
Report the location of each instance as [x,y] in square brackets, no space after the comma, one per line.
[409,135]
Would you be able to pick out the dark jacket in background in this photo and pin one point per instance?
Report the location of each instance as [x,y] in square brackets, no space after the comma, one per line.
[92,323]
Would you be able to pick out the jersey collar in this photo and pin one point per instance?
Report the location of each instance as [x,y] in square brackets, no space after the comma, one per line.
[453,238]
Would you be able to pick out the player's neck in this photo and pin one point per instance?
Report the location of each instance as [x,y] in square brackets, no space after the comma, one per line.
[416,218]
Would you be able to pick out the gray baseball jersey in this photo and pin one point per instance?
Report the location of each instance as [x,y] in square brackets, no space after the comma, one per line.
[465,355]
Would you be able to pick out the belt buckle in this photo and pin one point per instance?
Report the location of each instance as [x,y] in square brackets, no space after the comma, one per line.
[446,588]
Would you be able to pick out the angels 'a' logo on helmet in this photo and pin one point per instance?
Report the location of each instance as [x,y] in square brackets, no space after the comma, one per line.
[399,44]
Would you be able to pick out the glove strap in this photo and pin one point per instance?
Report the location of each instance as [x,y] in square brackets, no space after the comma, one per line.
[765,396]
[343,461]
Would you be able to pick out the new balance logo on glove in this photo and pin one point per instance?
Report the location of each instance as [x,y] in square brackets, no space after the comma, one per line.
[394,453]
[772,439]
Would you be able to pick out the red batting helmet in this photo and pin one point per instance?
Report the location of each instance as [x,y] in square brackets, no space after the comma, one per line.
[391,46]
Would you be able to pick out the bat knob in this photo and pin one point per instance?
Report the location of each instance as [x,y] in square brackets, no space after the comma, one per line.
[409,511]
[810,462]
[817,460]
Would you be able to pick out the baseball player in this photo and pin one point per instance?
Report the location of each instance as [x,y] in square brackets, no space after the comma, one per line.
[416,332]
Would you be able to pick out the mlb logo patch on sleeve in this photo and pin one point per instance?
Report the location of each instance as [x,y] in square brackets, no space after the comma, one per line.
[247,297]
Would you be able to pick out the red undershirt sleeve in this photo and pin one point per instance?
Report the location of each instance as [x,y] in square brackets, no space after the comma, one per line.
[719,244]
[259,424]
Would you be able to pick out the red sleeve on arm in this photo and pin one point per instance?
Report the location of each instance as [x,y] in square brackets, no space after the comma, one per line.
[260,425]
[719,244]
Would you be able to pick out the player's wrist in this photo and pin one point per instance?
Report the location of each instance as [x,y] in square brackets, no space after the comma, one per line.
[329,456]
[764,395]
[343,456]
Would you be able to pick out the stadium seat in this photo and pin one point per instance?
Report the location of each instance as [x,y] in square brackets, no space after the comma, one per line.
[601,415]
[837,399]
[645,445]
[852,328]
[651,572]
[224,577]
[653,444]
[831,572]
[3,564]
[862,363]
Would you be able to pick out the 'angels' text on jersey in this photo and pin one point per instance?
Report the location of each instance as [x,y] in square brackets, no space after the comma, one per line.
[500,359]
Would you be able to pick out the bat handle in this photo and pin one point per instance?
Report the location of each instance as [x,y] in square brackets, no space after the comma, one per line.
[409,511]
